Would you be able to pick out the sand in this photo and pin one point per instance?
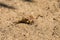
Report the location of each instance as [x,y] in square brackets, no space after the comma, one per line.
[29,20]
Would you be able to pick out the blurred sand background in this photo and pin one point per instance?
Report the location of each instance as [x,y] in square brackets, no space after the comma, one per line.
[45,15]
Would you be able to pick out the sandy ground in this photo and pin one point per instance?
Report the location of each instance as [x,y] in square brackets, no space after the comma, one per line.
[30,20]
